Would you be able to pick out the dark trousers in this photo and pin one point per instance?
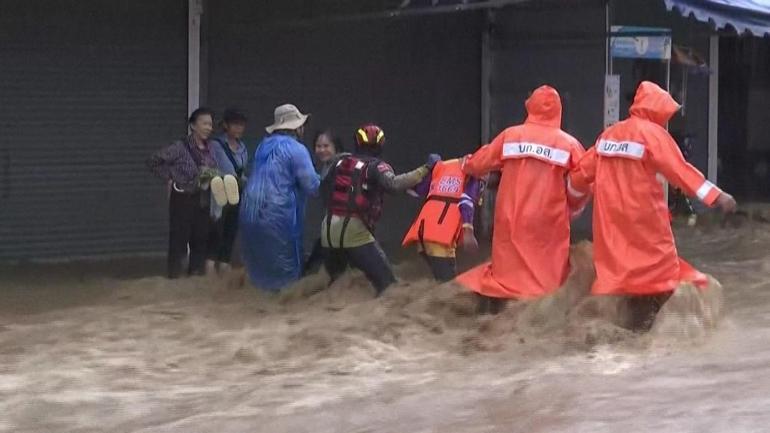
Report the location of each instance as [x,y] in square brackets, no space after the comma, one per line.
[222,235]
[490,305]
[315,258]
[369,258]
[188,225]
[443,268]
[644,309]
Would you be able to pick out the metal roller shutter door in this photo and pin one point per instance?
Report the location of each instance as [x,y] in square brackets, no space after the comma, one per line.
[418,77]
[88,89]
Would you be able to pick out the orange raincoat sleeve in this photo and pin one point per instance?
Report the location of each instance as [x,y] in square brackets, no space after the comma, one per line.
[668,159]
[583,175]
[577,198]
[487,158]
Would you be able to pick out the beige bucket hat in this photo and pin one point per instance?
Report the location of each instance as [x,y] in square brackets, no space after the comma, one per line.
[287,116]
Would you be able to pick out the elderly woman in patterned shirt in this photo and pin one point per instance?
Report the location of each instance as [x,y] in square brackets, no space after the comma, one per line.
[184,165]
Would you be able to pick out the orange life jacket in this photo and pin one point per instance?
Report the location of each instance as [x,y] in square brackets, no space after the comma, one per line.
[440,220]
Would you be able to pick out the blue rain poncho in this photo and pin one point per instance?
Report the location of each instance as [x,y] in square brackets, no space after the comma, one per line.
[273,210]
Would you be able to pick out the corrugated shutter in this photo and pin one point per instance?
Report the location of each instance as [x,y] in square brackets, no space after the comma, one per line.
[567,54]
[88,89]
[417,77]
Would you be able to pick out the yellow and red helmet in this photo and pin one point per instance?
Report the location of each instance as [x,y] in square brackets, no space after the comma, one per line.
[370,137]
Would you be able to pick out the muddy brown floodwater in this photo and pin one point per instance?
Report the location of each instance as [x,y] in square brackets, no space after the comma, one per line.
[152,355]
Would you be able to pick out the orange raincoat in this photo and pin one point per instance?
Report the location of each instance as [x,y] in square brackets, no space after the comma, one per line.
[634,251]
[530,244]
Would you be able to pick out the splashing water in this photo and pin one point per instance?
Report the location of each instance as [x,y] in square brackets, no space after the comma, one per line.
[200,355]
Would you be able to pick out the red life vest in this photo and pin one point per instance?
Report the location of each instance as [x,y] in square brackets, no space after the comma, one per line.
[351,194]
[440,220]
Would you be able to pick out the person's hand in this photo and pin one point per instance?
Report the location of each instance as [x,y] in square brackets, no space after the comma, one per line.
[470,243]
[726,202]
[433,158]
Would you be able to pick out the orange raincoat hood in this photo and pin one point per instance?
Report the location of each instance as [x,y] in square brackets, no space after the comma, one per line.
[653,103]
[544,107]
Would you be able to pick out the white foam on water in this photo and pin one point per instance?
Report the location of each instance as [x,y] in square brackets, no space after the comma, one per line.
[192,354]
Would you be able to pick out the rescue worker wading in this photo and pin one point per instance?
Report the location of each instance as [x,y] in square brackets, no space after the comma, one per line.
[530,243]
[354,188]
[446,218]
[634,251]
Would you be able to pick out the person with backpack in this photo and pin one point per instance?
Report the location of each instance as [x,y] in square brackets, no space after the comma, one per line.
[354,190]
[232,157]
